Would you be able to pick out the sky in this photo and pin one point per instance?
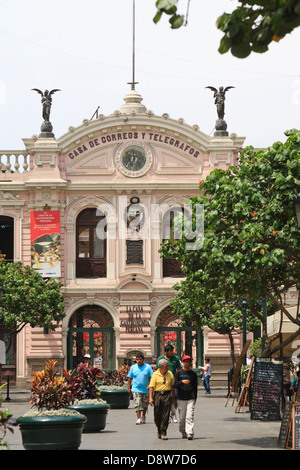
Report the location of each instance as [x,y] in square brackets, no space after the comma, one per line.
[85,50]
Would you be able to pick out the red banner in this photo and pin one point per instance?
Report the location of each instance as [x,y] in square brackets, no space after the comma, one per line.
[45,242]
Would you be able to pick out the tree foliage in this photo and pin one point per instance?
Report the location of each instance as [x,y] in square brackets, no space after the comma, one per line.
[251,243]
[194,304]
[251,27]
[169,7]
[28,298]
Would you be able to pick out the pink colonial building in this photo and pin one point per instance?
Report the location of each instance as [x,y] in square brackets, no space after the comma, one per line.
[91,208]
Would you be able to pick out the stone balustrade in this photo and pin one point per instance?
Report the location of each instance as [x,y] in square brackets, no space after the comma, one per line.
[14,161]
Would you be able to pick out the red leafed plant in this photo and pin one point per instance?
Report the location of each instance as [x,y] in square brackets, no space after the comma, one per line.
[84,384]
[114,377]
[49,391]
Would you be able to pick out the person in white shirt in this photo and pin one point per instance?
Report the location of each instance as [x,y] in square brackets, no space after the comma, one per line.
[207,375]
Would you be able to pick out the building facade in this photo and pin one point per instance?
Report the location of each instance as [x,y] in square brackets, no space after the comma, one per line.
[108,189]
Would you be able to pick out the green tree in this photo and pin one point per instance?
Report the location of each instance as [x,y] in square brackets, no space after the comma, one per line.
[28,298]
[251,27]
[194,304]
[251,243]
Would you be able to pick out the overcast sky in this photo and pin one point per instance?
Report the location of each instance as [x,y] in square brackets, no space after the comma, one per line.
[85,49]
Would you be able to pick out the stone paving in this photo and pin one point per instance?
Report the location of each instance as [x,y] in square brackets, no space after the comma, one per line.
[217,427]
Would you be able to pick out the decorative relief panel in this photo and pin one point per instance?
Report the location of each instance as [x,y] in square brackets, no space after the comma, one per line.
[176,163]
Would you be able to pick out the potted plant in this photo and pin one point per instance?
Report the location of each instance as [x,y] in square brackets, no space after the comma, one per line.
[114,389]
[52,425]
[6,423]
[87,397]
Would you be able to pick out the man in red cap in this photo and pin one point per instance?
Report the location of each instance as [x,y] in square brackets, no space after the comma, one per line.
[187,387]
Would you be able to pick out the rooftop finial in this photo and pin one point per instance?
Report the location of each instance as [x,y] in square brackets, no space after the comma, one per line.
[133,82]
[46,127]
[219,96]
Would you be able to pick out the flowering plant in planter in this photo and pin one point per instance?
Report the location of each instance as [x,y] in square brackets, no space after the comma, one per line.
[49,392]
[53,425]
[87,397]
[84,384]
[113,378]
[114,388]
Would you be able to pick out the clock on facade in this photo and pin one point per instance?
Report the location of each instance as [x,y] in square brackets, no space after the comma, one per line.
[134,159]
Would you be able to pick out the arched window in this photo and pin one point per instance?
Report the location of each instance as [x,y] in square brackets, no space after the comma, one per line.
[7,237]
[171,267]
[90,245]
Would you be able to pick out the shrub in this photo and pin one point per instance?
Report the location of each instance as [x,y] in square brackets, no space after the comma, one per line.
[84,384]
[48,391]
[114,378]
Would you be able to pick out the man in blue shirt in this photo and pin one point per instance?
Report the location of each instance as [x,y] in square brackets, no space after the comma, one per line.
[139,376]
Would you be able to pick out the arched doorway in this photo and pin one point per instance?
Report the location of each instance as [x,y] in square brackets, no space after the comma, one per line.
[185,339]
[7,237]
[91,332]
[7,249]
[9,347]
[131,357]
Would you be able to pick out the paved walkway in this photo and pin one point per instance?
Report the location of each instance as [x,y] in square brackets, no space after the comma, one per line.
[217,427]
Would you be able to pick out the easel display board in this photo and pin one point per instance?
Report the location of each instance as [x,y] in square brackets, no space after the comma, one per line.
[244,395]
[267,389]
[289,436]
[237,371]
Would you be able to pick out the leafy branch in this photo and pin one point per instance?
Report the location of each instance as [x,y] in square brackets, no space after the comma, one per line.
[251,27]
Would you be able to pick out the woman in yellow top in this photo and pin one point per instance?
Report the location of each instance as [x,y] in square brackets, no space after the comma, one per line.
[162,395]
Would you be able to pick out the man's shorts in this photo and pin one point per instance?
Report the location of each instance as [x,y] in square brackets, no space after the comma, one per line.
[140,401]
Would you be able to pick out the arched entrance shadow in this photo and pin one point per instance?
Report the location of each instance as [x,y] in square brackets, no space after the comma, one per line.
[91,332]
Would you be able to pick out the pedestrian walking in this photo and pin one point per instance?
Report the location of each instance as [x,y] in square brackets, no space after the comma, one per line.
[295,383]
[161,396]
[173,359]
[187,387]
[207,375]
[139,376]
[153,362]
[174,365]
[87,359]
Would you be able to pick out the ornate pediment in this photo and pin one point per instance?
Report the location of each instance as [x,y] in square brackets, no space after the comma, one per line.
[134,154]
[138,145]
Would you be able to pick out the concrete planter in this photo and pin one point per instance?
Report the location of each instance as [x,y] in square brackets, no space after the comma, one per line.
[95,414]
[51,432]
[117,399]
